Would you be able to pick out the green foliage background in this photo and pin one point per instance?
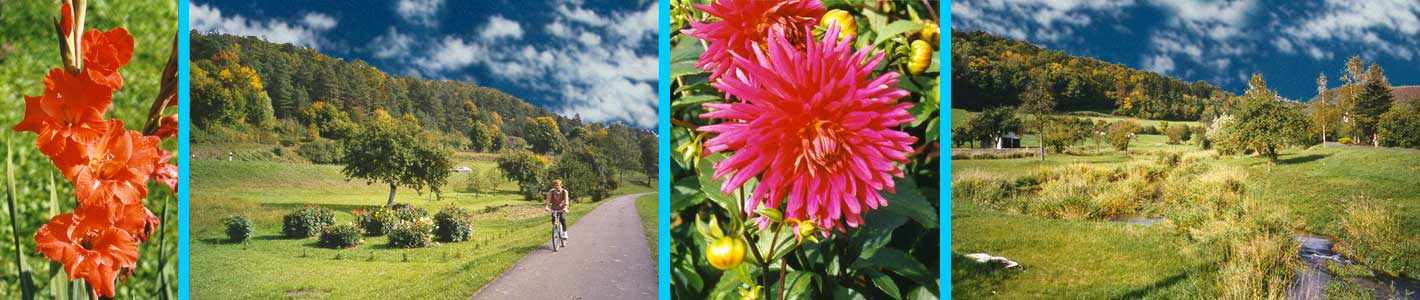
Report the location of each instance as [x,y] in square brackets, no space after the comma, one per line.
[28,50]
[894,255]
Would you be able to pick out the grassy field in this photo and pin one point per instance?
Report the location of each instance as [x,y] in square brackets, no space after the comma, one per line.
[1071,259]
[28,50]
[647,206]
[1306,193]
[271,266]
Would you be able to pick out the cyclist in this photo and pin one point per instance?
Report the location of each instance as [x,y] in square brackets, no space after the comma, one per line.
[557,202]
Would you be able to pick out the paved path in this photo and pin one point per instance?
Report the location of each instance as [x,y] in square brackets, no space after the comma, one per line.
[606,258]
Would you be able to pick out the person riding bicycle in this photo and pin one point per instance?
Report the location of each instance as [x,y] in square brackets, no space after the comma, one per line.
[558,203]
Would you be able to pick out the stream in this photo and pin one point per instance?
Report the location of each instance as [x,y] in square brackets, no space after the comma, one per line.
[1311,282]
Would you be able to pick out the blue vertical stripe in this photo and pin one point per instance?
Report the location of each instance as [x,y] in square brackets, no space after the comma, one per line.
[944,91]
[663,131]
[184,138]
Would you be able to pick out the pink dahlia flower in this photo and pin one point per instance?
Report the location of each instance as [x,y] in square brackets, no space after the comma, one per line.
[744,23]
[816,128]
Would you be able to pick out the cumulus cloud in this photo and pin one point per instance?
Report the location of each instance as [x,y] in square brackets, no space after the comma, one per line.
[306,32]
[420,12]
[500,27]
[1161,64]
[391,44]
[595,63]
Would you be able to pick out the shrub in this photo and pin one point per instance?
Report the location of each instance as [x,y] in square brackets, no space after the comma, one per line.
[1147,129]
[1346,140]
[239,228]
[1177,134]
[375,221]
[409,213]
[415,234]
[322,151]
[453,224]
[306,221]
[340,236]
[980,187]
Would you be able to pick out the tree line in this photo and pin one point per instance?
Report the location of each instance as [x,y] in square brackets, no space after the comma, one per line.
[990,70]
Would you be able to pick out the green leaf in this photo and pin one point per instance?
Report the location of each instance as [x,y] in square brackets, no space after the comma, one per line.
[711,186]
[908,201]
[694,100]
[797,283]
[784,246]
[896,261]
[685,192]
[684,273]
[921,293]
[884,283]
[895,29]
[684,55]
[772,213]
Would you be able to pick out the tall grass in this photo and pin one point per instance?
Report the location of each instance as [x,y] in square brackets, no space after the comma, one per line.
[1371,233]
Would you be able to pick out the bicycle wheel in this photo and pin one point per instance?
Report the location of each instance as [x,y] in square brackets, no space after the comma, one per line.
[556,234]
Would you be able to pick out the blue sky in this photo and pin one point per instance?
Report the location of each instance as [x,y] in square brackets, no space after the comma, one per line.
[593,58]
[1221,42]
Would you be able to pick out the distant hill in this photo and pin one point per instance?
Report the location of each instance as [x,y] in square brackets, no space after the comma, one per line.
[990,70]
[294,77]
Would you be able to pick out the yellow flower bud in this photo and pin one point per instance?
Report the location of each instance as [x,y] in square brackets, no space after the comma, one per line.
[921,57]
[847,26]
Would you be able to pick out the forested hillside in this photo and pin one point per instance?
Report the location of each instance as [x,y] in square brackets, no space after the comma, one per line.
[990,71]
[245,81]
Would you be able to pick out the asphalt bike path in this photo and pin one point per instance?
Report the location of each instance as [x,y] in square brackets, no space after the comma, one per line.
[605,258]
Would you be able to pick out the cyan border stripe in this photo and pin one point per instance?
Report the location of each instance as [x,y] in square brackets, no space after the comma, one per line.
[184,140]
[663,131]
[944,91]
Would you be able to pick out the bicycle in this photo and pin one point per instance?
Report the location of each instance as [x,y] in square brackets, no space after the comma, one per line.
[557,240]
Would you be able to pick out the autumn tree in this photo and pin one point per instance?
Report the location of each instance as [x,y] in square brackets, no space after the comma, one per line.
[1039,103]
[480,139]
[397,153]
[543,135]
[1324,114]
[525,168]
[1120,134]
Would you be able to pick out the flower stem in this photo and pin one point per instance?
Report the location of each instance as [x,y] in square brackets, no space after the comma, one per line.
[26,285]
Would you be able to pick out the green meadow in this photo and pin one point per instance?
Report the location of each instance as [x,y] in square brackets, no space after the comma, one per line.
[263,184]
[1226,225]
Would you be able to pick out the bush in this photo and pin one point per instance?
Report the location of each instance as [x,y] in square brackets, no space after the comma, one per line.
[375,221]
[409,213]
[340,236]
[322,151]
[239,228]
[1147,129]
[453,224]
[406,234]
[306,221]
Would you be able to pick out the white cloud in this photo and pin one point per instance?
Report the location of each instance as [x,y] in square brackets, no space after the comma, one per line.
[391,44]
[590,61]
[1161,64]
[1361,22]
[319,21]
[500,27]
[1284,45]
[307,32]
[451,54]
[557,29]
[420,12]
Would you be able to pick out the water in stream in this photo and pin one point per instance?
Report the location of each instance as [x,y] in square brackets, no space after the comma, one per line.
[1311,282]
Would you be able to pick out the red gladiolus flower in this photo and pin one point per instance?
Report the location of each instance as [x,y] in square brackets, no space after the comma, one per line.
[744,23]
[167,127]
[165,173]
[89,247]
[117,167]
[814,127]
[104,53]
[69,112]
